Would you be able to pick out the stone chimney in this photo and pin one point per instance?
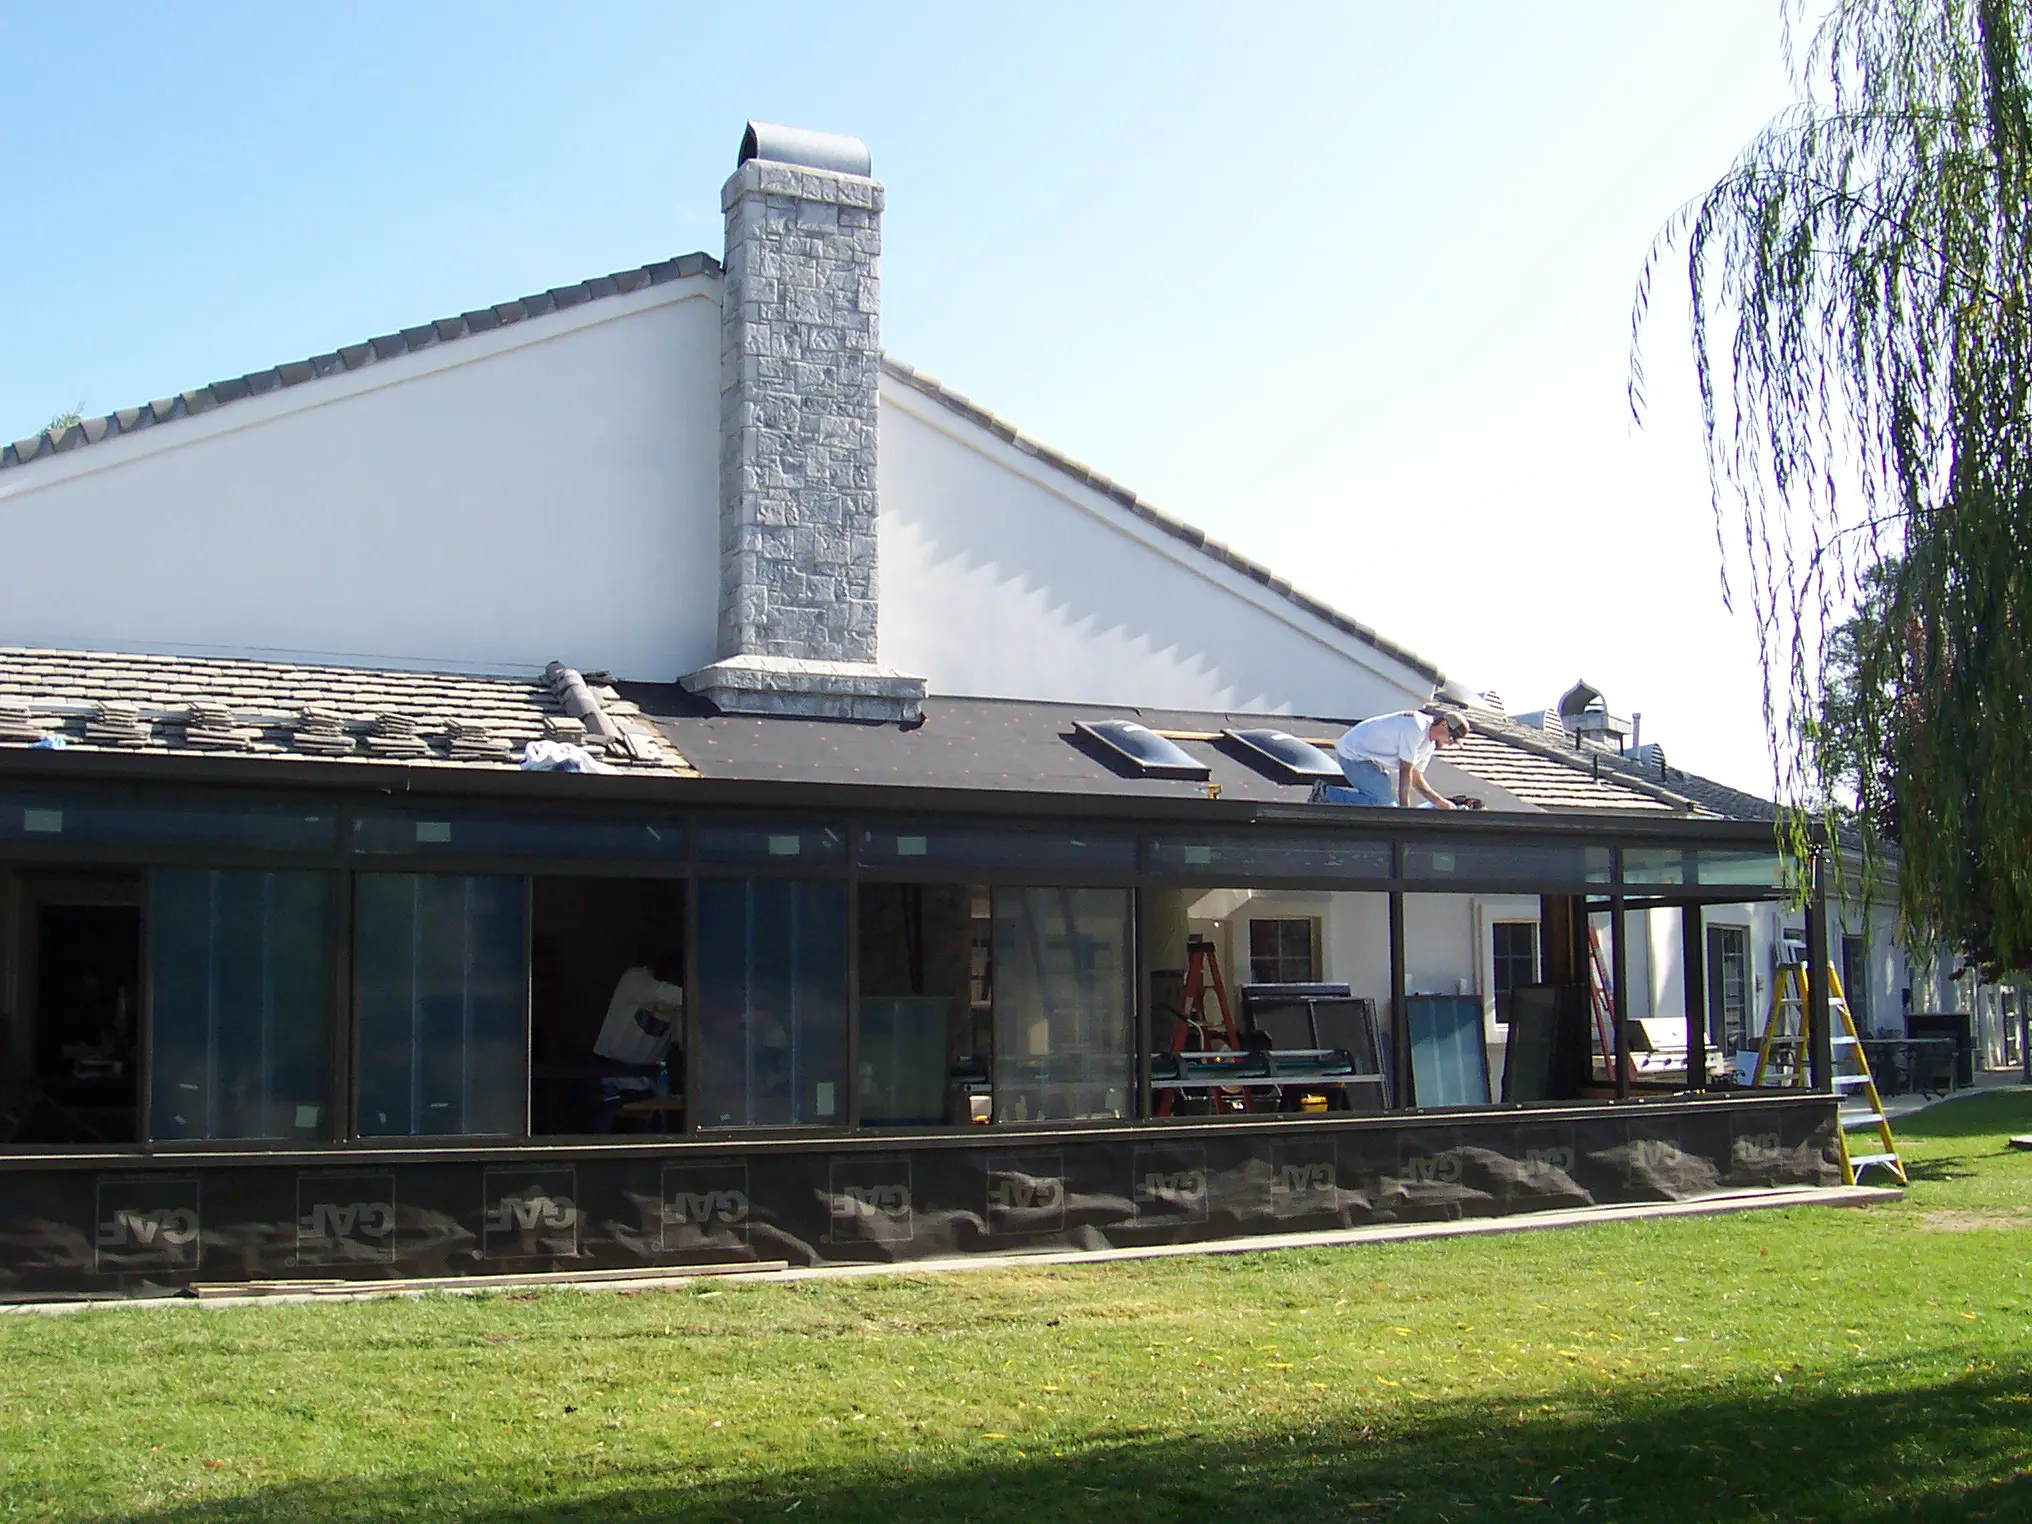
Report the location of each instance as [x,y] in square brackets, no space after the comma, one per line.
[800,364]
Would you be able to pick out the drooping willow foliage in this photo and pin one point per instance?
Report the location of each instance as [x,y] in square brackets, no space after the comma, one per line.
[1861,285]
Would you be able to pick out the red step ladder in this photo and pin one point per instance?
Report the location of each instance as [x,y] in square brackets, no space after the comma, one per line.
[1192,1032]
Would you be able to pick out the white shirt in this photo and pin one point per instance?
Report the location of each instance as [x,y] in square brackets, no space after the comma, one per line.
[1387,740]
[641,1019]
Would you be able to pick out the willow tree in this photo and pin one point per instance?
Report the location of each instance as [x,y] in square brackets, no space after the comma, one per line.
[1861,298]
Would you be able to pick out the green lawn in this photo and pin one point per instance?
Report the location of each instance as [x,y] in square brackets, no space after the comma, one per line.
[1857,1365]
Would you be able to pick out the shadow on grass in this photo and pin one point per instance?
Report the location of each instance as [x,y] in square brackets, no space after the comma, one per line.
[1936,1171]
[1973,1116]
[1952,1451]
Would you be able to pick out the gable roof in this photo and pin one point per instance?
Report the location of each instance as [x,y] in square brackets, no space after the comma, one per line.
[406,341]
[1178,529]
[352,357]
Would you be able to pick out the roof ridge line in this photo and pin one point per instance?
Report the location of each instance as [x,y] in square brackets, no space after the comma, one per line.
[1177,528]
[350,357]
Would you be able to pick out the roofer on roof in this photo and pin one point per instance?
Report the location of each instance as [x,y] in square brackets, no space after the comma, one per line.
[1385,758]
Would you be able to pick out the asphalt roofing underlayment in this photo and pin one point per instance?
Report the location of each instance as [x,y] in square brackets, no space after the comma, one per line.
[183,705]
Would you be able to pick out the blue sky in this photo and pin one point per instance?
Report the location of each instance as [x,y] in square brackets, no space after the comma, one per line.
[1347,286]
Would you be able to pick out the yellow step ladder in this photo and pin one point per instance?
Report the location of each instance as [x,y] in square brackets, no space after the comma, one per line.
[1785,1054]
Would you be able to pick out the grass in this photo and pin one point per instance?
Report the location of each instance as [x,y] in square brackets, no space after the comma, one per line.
[1806,1364]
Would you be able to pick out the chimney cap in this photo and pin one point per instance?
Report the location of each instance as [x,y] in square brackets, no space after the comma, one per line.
[805,148]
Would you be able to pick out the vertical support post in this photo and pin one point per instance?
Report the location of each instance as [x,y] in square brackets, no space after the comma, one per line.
[1822,1048]
[528,1001]
[693,1094]
[342,1087]
[1562,938]
[853,1116]
[1400,1016]
[1619,997]
[144,1077]
[1141,1022]
[1693,982]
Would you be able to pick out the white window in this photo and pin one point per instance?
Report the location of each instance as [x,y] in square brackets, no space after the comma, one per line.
[1513,960]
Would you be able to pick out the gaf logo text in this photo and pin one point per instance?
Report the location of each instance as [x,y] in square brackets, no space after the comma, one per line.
[142,1228]
[1654,1153]
[704,1208]
[347,1219]
[1431,1169]
[864,1201]
[1304,1179]
[1759,1145]
[526,1214]
[1171,1185]
[1544,1161]
[1026,1193]
[344,1217]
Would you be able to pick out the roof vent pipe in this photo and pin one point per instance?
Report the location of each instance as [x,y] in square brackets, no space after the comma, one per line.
[1636,729]
[805,148]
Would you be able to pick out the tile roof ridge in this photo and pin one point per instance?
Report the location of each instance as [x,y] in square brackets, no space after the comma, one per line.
[349,357]
[1538,743]
[1177,528]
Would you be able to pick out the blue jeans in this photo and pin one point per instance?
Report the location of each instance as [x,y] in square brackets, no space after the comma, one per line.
[1367,784]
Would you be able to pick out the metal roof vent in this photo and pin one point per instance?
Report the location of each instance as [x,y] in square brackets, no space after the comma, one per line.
[1579,699]
[805,148]
[1649,755]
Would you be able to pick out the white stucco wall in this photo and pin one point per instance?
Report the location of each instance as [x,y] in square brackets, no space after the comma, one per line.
[544,491]
[550,491]
[1003,576]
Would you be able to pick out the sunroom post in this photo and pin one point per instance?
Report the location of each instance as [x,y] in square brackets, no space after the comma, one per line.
[1821,1051]
[1619,999]
[1400,1016]
[1693,982]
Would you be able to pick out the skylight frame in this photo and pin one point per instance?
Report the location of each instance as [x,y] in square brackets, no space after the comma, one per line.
[1158,757]
[1256,744]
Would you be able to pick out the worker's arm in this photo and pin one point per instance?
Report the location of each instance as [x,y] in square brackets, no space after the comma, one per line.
[1409,777]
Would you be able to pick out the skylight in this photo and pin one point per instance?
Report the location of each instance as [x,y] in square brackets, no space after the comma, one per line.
[1285,756]
[1149,754]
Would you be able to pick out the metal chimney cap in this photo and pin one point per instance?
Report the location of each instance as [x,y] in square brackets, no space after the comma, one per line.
[805,148]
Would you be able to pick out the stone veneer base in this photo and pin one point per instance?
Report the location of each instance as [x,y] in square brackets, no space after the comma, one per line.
[828,690]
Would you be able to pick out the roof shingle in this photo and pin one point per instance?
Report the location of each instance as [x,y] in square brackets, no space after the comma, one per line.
[185,704]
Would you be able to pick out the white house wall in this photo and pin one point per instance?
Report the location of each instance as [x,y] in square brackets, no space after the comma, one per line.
[549,490]
[1005,577]
[543,491]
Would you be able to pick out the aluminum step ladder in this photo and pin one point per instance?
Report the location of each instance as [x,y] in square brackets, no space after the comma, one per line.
[1785,1052]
